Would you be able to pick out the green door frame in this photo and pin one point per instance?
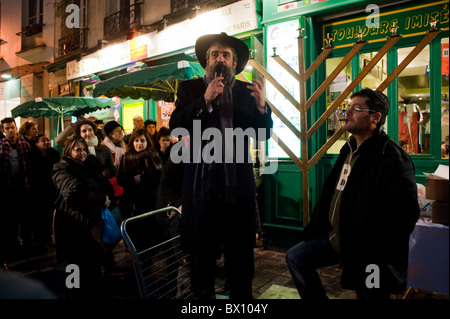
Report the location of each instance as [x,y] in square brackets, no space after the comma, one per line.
[282,230]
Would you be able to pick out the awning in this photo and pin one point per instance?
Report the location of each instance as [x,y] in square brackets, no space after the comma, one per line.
[60,107]
[157,83]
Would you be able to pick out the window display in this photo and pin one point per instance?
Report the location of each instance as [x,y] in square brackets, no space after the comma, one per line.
[414,103]
[283,37]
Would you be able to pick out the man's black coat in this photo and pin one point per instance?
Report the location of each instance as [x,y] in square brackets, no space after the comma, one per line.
[378,212]
[190,106]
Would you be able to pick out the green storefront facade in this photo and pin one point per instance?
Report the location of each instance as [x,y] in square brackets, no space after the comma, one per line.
[419,94]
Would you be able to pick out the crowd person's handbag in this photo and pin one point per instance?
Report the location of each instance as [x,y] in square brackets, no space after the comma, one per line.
[111,231]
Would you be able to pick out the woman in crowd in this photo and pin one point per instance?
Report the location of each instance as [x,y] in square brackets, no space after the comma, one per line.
[28,131]
[150,126]
[165,144]
[139,175]
[86,129]
[40,161]
[114,142]
[82,193]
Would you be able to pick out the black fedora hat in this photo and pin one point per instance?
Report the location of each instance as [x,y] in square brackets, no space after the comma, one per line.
[204,42]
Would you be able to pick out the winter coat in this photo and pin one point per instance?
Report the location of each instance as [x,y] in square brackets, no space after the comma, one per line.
[101,151]
[171,184]
[169,194]
[190,106]
[39,172]
[81,190]
[6,180]
[104,157]
[81,194]
[139,198]
[378,212]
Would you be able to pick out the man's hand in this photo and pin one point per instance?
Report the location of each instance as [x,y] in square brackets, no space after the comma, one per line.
[214,89]
[257,89]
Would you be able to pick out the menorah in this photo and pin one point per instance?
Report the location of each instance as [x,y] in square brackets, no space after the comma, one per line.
[305,133]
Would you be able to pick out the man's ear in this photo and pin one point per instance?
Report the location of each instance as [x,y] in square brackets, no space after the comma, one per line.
[234,65]
[376,117]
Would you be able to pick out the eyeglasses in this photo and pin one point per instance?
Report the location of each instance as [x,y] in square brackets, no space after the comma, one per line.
[79,150]
[358,110]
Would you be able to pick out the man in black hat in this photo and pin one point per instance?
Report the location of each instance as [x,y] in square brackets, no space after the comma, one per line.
[219,188]
[366,212]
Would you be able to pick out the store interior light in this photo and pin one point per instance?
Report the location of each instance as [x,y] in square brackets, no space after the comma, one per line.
[6,76]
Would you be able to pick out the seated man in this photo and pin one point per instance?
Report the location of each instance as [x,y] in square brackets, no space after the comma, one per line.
[366,212]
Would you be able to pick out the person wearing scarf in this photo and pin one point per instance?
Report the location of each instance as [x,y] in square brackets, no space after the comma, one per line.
[82,191]
[139,174]
[218,196]
[87,130]
[114,142]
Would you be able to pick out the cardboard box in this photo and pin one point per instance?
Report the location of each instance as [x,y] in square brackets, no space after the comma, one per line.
[440,213]
[436,189]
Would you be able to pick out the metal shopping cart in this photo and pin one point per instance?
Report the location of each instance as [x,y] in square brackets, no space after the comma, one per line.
[160,266]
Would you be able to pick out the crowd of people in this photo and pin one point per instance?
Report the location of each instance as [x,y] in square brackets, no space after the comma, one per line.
[57,199]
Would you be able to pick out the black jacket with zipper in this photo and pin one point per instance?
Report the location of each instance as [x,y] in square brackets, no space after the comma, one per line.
[378,212]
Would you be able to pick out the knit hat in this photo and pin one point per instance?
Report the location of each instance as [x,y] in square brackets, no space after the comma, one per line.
[148,122]
[110,126]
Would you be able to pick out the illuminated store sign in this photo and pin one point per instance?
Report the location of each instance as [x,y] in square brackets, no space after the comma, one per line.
[411,21]
[233,19]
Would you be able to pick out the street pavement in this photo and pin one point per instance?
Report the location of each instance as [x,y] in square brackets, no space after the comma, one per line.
[272,279]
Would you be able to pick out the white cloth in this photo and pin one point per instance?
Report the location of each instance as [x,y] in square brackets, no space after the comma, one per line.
[118,151]
[92,143]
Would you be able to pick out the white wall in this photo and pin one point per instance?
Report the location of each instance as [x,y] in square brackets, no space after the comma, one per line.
[11,23]
[154,10]
[9,97]
[96,15]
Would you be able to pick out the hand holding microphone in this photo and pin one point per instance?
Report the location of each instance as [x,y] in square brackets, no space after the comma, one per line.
[219,71]
[216,86]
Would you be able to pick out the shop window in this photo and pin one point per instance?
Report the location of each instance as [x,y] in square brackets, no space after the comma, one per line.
[32,24]
[414,103]
[35,9]
[378,73]
[179,5]
[122,18]
[444,97]
[342,80]
[9,96]
[283,37]
[376,76]
[73,39]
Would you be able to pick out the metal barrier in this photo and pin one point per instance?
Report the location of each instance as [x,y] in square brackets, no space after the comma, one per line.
[160,266]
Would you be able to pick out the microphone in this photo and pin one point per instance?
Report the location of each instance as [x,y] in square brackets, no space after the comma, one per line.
[219,70]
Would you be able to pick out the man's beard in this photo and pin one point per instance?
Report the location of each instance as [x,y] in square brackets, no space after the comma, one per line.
[227,74]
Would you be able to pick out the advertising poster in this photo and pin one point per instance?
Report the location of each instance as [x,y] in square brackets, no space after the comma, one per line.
[129,111]
[444,64]
[166,109]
